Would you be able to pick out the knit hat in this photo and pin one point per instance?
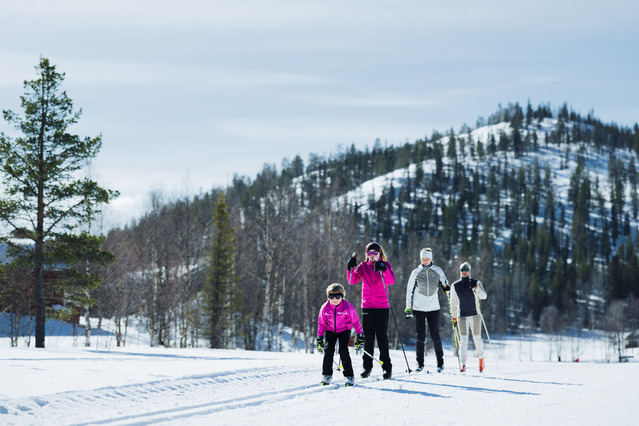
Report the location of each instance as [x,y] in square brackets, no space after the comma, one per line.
[426,253]
[373,246]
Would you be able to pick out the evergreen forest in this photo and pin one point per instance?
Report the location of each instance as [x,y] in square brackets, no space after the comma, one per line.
[543,203]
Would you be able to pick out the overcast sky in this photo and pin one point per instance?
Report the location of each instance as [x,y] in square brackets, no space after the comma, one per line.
[187,93]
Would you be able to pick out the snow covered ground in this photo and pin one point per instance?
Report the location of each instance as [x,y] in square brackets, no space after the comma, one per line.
[66,385]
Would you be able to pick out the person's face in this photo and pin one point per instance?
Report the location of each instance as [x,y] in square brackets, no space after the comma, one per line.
[426,261]
[335,298]
[464,272]
[372,255]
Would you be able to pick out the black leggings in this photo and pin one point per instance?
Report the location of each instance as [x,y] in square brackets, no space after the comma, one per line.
[433,328]
[375,325]
[331,338]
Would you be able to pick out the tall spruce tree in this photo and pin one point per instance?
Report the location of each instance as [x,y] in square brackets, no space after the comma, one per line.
[220,295]
[44,198]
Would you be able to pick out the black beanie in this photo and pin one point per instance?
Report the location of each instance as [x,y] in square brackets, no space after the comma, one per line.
[373,246]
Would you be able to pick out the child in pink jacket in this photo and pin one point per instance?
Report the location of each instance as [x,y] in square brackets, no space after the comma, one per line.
[336,319]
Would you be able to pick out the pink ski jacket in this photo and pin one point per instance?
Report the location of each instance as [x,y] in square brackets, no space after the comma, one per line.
[338,318]
[373,291]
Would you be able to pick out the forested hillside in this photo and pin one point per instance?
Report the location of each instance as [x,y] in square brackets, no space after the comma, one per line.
[543,203]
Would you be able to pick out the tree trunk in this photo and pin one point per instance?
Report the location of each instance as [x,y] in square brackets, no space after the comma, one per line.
[39,296]
[87,329]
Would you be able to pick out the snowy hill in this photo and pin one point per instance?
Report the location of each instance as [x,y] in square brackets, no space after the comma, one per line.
[561,159]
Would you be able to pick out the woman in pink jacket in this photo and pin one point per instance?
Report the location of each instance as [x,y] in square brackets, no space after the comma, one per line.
[337,317]
[375,304]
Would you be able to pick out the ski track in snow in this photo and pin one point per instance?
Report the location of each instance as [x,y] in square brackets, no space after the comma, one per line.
[206,393]
[191,397]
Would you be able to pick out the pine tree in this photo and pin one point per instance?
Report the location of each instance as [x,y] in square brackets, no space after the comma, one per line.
[529,114]
[44,198]
[452,146]
[518,144]
[492,145]
[220,296]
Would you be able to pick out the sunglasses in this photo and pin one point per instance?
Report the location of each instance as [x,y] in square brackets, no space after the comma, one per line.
[335,295]
[464,269]
[372,253]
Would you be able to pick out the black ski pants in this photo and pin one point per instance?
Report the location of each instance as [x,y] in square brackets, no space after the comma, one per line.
[332,337]
[433,328]
[375,325]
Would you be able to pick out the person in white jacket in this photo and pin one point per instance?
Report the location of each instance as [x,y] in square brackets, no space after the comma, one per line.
[465,294]
[422,303]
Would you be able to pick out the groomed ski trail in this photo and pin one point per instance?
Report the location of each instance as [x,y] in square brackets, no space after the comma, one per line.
[174,398]
[246,395]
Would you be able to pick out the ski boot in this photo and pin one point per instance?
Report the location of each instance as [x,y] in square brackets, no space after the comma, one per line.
[365,373]
[387,375]
[440,365]
[481,364]
[326,380]
[350,381]
[419,368]
[463,368]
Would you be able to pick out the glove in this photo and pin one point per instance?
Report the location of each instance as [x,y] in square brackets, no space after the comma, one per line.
[359,343]
[320,344]
[408,313]
[446,287]
[473,284]
[352,262]
[380,266]
[454,322]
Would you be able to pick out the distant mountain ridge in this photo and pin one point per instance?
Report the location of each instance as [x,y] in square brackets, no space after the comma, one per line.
[560,158]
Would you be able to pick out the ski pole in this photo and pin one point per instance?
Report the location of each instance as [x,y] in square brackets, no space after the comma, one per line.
[339,366]
[394,320]
[485,328]
[378,361]
[452,324]
[350,280]
[348,291]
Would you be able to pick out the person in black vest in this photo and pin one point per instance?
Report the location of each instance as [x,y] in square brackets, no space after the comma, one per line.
[464,298]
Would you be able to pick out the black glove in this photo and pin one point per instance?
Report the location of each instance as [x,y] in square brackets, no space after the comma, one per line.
[352,262]
[320,344]
[380,266]
[473,283]
[408,313]
[446,287]
[359,343]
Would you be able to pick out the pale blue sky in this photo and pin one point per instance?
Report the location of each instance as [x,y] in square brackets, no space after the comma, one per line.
[188,93]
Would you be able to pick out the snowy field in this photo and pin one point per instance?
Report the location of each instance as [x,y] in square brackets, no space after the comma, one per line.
[67,385]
